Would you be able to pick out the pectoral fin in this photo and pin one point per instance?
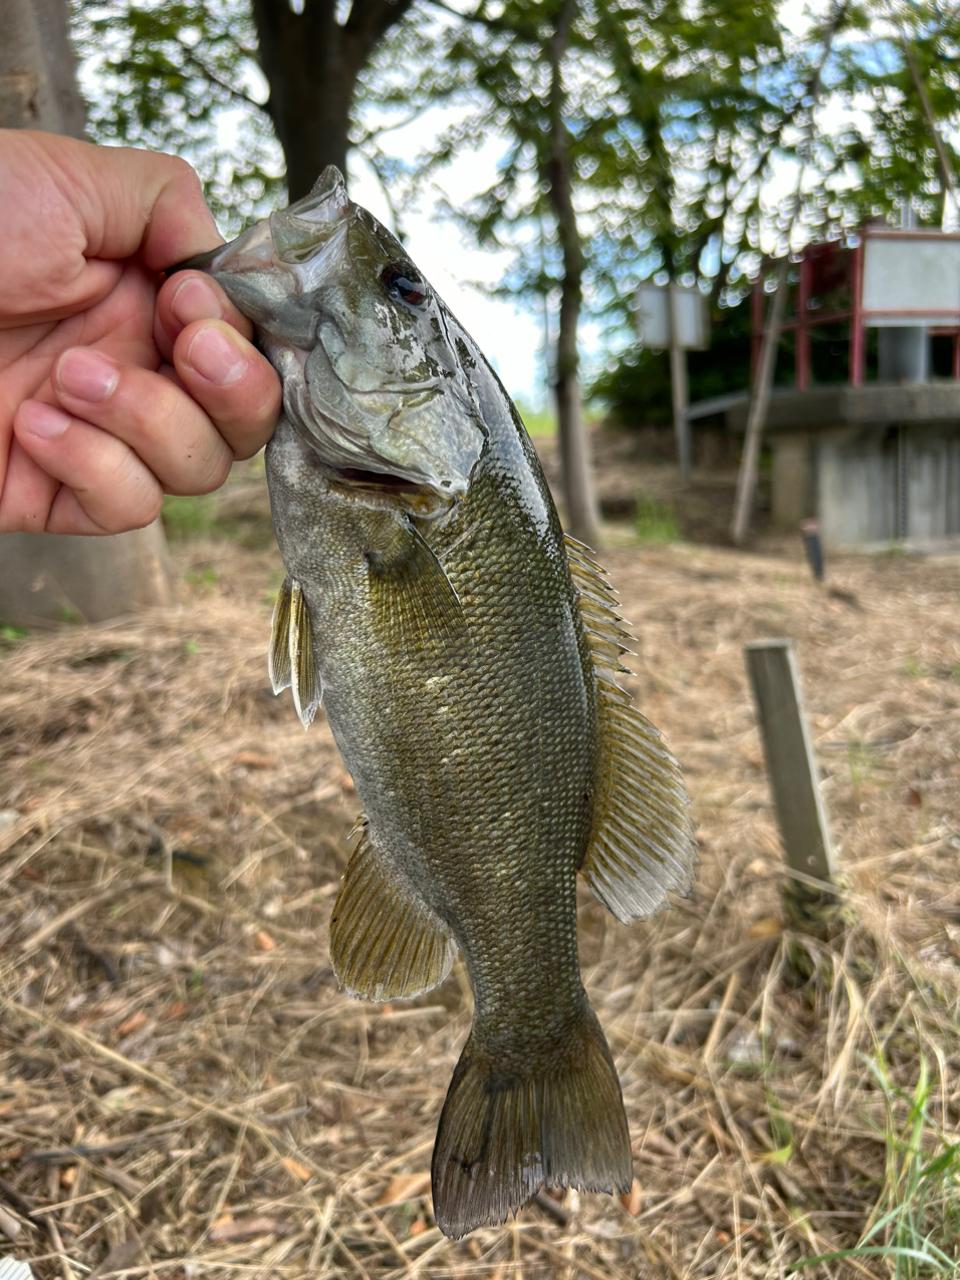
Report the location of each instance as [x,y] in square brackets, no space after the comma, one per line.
[414,604]
[291,661]
[278,659]
[383,944]
[641,846]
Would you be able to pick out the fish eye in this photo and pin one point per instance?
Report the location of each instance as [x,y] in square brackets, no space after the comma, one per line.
[404,283]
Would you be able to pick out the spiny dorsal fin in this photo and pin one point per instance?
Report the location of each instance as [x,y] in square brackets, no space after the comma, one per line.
[291,659]
[383,943]
[641,845]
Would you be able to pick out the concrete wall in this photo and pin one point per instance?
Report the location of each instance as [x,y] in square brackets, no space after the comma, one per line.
[792,491]
[876,485]
[932,484]
[856,483]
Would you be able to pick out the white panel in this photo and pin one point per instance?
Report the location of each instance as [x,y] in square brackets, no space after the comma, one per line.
[919,276]
[653,318]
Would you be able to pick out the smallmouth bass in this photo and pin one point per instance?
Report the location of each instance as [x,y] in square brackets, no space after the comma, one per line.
[466,653]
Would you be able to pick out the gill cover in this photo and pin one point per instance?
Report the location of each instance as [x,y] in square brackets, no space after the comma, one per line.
[374,377]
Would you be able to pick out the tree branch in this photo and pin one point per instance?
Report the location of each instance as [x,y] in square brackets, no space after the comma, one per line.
[236,94]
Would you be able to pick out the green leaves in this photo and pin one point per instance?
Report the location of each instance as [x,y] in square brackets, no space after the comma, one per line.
[182,76]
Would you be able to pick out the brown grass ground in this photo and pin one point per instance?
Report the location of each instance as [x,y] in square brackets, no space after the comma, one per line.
[184,1092]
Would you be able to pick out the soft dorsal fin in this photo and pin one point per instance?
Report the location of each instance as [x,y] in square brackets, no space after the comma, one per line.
[641,845]
[291,661]
[383,943]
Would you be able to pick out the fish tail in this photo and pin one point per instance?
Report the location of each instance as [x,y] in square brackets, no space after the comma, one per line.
[503,1134]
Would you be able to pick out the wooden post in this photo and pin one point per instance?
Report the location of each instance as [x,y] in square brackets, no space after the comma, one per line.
[759,403]
[793,779]
[678,385]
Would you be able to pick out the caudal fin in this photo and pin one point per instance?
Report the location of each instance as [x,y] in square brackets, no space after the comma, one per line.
[504,1134]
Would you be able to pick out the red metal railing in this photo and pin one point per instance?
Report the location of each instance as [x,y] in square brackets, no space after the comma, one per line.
[848,269]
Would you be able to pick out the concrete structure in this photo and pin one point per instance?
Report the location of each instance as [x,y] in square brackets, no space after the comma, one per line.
[872,463]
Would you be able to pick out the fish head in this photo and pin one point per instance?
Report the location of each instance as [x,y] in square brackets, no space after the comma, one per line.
[375,369]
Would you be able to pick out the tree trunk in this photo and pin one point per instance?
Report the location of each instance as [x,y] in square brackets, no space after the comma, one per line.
[43,577]
[311,63]
[574,449]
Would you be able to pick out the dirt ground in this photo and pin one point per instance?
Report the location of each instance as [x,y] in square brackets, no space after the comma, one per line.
[184,1091]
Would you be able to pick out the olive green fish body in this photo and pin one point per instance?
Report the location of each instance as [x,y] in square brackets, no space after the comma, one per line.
[474,752]
[466,655]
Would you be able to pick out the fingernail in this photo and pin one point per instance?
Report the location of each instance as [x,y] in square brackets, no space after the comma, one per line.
[195,299]
[86,374]
[43,420]
[215,355]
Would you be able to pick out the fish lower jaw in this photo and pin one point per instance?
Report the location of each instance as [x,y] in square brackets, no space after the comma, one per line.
[379,489]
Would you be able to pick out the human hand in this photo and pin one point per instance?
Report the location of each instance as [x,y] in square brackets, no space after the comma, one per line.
[115,387]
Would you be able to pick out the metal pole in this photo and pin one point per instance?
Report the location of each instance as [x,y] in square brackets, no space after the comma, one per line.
[857,351]
[678,385]
[802,355]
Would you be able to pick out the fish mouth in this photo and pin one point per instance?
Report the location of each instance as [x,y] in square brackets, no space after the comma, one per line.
[285,237]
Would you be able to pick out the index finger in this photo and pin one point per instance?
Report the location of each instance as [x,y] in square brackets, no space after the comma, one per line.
[74,213]
[136,202]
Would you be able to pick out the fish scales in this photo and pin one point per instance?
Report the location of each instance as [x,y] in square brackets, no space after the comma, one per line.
[466,655]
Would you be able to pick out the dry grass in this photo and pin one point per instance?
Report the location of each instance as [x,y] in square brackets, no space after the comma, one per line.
[185,1093]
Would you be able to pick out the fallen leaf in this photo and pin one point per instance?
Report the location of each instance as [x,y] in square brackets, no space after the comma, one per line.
[632,1201]
[768,928]
[264,942]
[296,1169]
[133,1023]
[253,760]
[224,1231]
[417,1227]
[914,798]
[126,1097]
[403,1187]
[176,1010]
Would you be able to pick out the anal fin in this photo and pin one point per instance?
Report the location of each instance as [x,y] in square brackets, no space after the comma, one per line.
[641,846]
[385,945]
